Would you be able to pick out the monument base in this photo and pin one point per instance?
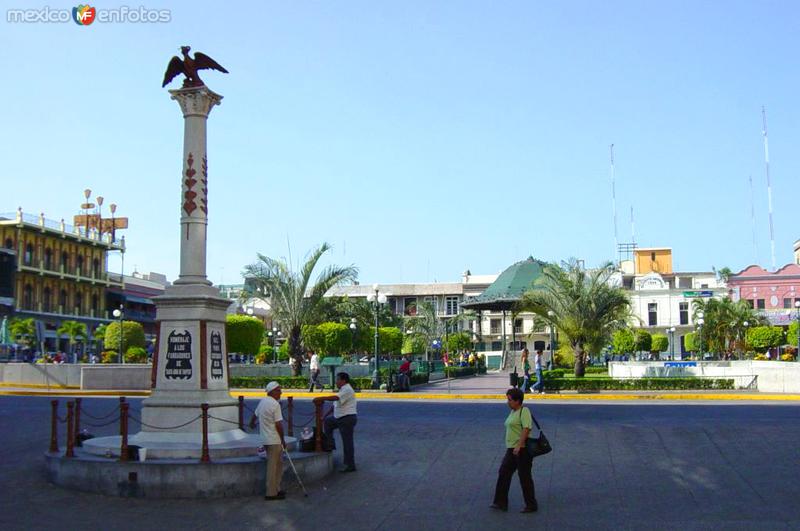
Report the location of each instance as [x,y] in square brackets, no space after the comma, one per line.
[179,478]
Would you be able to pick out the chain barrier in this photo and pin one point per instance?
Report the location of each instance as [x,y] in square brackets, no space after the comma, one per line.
[60,419]
[224,420]
[112,421]
[135,419]
[84,412]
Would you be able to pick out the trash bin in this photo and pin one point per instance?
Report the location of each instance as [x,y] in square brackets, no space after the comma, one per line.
[513,378]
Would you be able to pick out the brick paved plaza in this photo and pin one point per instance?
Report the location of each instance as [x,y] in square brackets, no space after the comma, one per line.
[432,465]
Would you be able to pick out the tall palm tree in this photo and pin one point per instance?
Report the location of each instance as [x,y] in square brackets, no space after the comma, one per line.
[586,308]
[295,301]
[23,331]
[74,331]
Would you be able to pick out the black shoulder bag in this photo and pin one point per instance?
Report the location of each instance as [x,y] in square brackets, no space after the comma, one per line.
[536,446]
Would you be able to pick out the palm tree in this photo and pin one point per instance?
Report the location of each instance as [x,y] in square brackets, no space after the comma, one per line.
[99,336]
[74,331]
[23,331]
[582,305]
[425,325]
[723,323]
[294,300]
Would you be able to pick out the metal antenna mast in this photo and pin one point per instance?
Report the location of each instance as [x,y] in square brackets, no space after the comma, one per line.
[614,200]
[633,228]
[753,220]
[769,186]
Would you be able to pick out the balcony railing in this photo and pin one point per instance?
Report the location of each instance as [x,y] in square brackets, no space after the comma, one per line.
[63,272]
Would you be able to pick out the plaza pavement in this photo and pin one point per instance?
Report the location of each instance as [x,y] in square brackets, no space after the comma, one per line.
[432,465]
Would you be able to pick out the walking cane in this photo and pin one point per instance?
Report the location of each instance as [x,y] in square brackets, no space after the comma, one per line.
[291,463]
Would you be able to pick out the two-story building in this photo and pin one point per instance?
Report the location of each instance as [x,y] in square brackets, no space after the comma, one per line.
[57,272]
[661,299]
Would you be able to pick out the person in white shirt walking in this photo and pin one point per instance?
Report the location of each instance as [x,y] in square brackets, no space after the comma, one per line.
[270,419]
[313,366]
[344,418]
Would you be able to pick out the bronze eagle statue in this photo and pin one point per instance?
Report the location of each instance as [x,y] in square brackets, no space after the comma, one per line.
[189,67]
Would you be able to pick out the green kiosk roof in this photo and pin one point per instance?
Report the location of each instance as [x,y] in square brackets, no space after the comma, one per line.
[507,290]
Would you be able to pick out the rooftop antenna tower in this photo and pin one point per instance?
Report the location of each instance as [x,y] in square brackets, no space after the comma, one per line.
[769,186]
[614,199]
[633,228]
[753,220]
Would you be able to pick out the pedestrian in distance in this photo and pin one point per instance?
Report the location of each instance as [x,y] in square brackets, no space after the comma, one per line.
[537,366]
[270,421]
[344,418]
[313,367]
[516,459]
[526,370]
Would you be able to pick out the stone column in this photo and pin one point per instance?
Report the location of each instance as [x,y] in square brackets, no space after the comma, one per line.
[196,103]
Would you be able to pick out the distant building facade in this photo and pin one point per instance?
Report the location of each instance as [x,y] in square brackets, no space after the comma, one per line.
[773,294]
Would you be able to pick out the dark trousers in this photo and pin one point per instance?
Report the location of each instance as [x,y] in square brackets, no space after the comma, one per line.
[315,381]
[346,425]
[522,464]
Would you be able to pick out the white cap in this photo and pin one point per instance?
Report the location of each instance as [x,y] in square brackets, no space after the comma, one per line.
[272,386]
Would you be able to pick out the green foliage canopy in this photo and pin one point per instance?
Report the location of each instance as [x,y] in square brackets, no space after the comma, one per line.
[623,341]
[243,334]
[132,336]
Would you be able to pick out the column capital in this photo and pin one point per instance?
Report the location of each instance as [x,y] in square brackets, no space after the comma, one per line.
[196,101]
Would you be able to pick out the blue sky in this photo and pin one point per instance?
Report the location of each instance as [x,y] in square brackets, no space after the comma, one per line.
[420,138]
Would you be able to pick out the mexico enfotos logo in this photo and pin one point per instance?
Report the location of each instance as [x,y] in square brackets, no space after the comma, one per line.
[85,15]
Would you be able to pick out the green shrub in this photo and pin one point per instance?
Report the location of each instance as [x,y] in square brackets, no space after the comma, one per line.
[763,338]
[460,372]
[288,382]
[692,342]
[634,384]
[623,341]
[136,355]
[243,334]
[109,356]
[660,343]
[458,342]
[643,340]
[555,373]
[132,336]
[596,370]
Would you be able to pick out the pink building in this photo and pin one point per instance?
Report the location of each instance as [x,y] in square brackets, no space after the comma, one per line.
[772,293]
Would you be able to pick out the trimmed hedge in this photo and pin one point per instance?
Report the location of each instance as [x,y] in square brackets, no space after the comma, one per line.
[636,384]
[288,382]
[460,372]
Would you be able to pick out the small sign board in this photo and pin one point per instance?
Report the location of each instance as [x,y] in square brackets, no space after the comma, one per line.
[700,293]
[680,364]
[331,361]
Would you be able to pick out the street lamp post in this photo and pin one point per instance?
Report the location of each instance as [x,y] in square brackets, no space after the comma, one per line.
[353,327]
[119,315]
[377,298]
[551,314]
[671,333]
[797,306]
[744,339]
[700,322]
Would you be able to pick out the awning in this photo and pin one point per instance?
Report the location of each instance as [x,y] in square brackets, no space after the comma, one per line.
[140,300]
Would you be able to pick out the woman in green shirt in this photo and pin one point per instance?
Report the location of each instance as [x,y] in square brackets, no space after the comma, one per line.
[518,427]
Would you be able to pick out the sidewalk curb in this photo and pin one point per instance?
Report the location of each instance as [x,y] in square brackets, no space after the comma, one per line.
[443,396]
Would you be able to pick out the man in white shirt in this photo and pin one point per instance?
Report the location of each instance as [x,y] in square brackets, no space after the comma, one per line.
[313,367]
[344,418]
[270,418]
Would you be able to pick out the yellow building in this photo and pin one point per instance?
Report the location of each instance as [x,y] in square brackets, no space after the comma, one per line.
[652,260]
[60,272]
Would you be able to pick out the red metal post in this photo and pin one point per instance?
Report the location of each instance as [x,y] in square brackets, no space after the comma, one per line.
[70,429]
[54,425]
[77,422]
[318,416]
[204,458]
[241,412]
[123,429]
[290,414]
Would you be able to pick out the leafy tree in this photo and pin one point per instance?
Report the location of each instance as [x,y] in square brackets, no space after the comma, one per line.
[391,339]
[427,326]
[23,331]
[791,334]
[312,338]
[586,308]
[74,331]
[458,342]
[336,338]
[691,342]
[414,344]
[132,336]
[660,343]
[623,341]
[643,341]
[243,334]
[295,301]
[763,338]
[724,274]
[99,336]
